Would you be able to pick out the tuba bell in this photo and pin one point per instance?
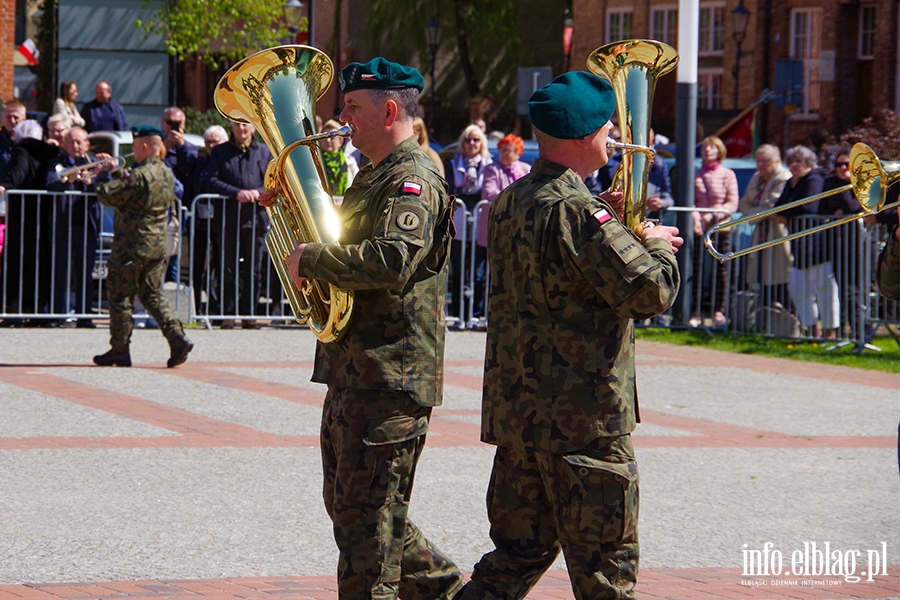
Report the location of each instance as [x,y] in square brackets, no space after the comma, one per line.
[633,68]
[275,90]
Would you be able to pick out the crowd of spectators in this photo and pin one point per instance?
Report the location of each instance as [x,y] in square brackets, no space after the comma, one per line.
[797,276]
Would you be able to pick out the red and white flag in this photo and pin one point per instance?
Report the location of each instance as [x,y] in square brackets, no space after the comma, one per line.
[739,135]
[29,50]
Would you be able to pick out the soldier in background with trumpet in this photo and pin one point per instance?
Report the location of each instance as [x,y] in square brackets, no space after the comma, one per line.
[560,403]
[141,197]
[385,373]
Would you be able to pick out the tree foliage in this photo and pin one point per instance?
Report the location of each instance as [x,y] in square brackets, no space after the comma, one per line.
[478,34]
[226,29]
[881,133]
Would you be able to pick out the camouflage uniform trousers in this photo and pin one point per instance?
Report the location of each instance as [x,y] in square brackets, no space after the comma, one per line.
[141,277]
[585,502]
[371,442]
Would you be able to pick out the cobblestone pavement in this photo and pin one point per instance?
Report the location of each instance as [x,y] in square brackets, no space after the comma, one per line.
[204,481]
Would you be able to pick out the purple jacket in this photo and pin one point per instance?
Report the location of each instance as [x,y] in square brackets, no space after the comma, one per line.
[496,179]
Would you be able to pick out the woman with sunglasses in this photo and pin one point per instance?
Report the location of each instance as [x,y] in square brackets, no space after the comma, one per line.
[465,175]
[844,242]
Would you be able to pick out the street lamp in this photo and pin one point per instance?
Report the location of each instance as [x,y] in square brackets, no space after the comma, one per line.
[432,38]
[294,11]
[740,17]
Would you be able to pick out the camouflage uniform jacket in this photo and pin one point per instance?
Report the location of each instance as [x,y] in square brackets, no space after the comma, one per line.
[394,242]
[889,268]
[567,278]
[141,197]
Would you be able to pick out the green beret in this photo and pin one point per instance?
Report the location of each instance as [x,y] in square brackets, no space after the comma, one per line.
[145,130]
[573,105]
[379,74]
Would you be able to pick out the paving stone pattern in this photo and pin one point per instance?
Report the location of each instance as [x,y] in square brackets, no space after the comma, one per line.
[205,481]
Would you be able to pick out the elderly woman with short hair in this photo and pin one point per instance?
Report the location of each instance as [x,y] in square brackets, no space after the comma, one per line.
[465,176]
[716,187]
[771,268]
[813,289]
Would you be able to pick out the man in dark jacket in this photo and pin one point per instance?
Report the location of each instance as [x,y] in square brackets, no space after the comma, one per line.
[103,113]
[74,224]
[13,114]
[237,171]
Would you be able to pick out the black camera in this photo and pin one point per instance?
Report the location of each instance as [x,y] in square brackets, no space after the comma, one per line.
[176,125]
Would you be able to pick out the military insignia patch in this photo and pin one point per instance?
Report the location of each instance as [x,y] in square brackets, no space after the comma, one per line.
[367,77]
[408,220]
[411,187]
[602,216]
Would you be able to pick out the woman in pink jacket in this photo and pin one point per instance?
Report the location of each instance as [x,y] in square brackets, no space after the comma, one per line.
[715,186]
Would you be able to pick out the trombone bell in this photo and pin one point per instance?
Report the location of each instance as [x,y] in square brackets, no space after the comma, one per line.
[869,179]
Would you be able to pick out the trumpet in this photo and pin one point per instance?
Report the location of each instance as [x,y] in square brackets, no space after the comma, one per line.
[65,174]
[869,180]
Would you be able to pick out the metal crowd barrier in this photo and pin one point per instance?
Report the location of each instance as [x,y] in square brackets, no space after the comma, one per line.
[230,272]
[53,264]
[53,267]
[757,287]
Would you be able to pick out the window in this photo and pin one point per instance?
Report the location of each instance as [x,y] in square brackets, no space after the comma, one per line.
[806,45]
[712,29]
[866,31]
[618,25]
[709,89]
[664,25]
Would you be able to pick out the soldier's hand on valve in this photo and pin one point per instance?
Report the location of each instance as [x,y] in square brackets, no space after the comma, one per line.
[293,264]
[106,163]
[616,200]
[664,232]
[269,197]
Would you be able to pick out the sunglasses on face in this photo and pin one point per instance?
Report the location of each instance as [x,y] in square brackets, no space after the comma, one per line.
[472,141]
[841,164]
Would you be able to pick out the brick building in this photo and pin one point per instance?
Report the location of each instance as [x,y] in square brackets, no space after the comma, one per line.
[7,47]
[848,51]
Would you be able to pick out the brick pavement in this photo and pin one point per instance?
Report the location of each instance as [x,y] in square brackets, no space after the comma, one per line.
[191,430]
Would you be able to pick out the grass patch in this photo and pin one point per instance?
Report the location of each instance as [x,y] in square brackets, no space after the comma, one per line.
[888,360]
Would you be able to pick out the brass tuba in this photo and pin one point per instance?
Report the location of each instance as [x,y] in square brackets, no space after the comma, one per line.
[276,90]
[633,68]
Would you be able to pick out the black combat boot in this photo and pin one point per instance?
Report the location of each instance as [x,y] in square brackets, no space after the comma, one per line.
[113,358]
[180,346]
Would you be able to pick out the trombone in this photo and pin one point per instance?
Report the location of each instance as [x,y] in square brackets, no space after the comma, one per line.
[66,174]
[869,179]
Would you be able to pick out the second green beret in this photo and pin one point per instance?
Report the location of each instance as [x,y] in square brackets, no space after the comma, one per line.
[379,74]
[573,105]
[145,130]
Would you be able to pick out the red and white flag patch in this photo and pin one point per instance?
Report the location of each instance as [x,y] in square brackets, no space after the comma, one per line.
[367,76]
[602,216]
[411,187]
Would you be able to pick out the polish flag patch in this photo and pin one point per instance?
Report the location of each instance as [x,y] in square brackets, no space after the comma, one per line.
[602,216]
[411,187]
[367,77]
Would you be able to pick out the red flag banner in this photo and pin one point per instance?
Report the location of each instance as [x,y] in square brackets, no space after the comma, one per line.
[29,50]
[739,135]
